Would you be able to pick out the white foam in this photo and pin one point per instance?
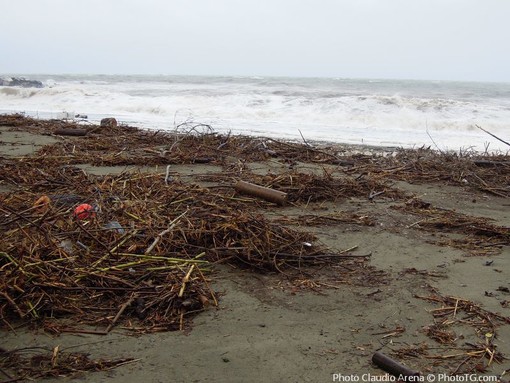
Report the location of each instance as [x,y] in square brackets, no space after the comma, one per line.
[338,111]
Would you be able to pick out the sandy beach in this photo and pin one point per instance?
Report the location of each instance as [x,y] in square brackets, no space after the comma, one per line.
[408,254]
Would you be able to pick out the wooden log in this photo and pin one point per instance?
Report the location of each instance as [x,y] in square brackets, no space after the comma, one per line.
[262,192]
[70,132]
[392,366]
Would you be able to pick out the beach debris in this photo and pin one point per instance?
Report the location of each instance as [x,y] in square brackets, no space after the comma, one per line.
[327,219]
[168,177]
[173,235]
[374,194]
[480,235]
[42,204]
[454,306]
[265,193]
[70,132]
[65,115]
[67,246]
[60,274]
[108,122]
[115,225]
[474,355]
[131,146]
[33,363]
[84,211]
[393,367]
[65,199]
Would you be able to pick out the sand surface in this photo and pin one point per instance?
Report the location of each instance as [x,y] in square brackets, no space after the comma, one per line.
[275,328]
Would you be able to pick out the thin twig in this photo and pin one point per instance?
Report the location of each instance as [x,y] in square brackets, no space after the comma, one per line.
[490,134]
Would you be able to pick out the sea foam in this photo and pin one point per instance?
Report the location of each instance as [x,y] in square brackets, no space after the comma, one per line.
[383,112]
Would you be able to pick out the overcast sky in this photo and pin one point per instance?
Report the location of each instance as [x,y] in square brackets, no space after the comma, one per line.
[417,39]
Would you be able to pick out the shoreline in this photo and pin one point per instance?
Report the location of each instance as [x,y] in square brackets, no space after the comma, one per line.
[411,231]
[358,148]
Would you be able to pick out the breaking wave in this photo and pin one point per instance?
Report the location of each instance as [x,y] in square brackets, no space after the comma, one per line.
[388,113]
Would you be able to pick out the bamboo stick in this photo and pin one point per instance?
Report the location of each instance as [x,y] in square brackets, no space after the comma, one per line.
[262,192]
[185,280]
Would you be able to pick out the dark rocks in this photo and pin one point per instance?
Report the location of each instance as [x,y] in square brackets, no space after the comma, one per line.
[20,82]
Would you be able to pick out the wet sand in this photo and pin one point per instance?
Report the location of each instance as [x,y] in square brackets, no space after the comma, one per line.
[269,327]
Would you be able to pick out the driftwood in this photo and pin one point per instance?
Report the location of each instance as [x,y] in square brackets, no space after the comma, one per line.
[393,367]
[70,132]
[267,194]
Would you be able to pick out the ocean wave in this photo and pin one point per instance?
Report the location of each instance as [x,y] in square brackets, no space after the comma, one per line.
[14,92]
[380,111]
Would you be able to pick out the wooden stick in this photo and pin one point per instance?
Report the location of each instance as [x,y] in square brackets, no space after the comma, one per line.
[13,304]
[119,313]
[81,331]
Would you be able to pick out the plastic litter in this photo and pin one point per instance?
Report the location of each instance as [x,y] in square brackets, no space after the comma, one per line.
[84,211]
[116,226]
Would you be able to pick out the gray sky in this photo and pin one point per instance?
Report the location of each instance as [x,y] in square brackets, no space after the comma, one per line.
[420,39]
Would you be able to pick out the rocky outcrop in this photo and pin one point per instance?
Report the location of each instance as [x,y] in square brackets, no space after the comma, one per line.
[20,82]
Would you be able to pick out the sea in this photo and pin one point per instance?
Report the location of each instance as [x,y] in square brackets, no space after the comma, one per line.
[443,115]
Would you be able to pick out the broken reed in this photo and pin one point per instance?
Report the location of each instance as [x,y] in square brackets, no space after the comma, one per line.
[472,356]
[464,311]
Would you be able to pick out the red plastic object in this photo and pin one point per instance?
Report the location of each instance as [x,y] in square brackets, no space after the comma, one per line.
[84,211]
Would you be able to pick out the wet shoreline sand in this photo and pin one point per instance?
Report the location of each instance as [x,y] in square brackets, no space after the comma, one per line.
[428,234]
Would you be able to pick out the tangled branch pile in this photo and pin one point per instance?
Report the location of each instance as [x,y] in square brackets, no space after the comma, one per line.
[140,254]
[486,173]
[473,356]
[480,236]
